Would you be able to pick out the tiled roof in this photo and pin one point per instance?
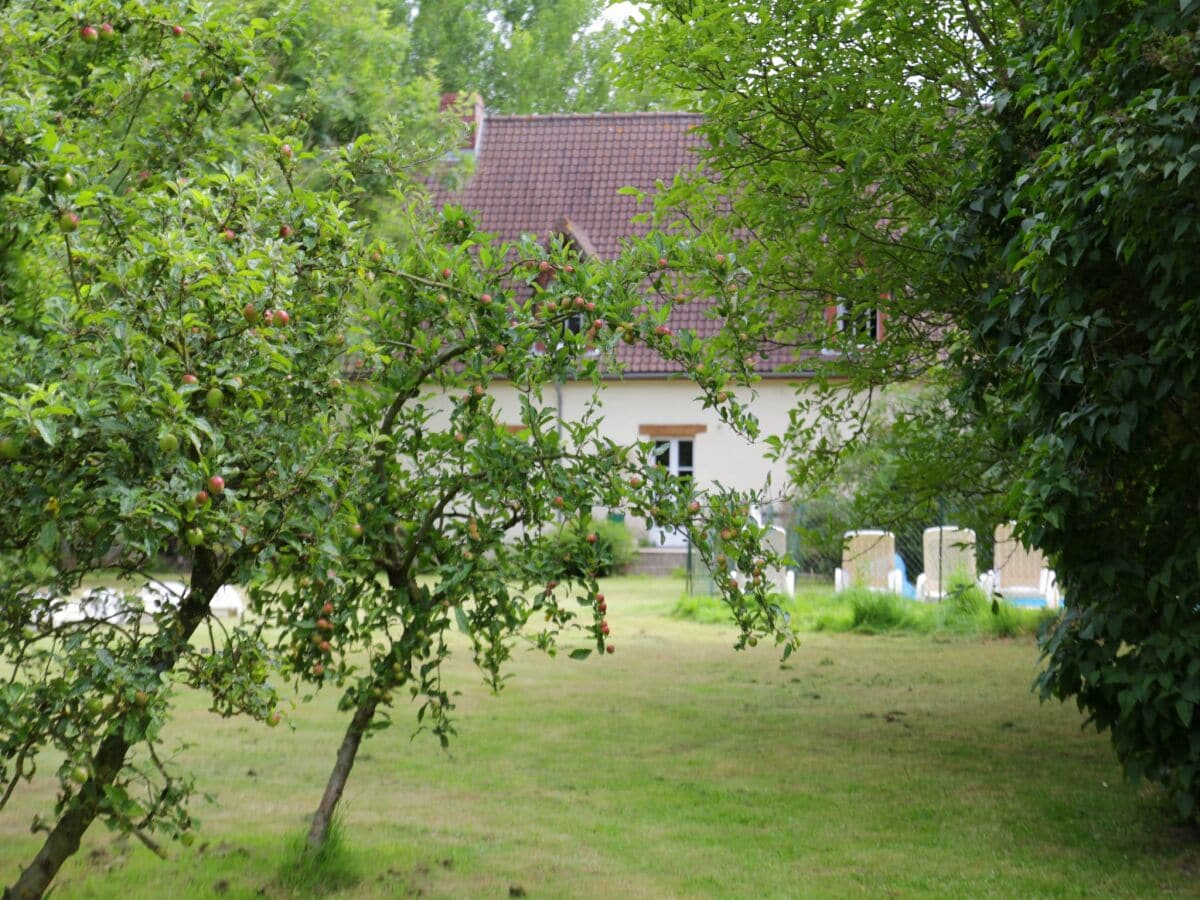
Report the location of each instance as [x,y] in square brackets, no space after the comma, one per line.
[532,172]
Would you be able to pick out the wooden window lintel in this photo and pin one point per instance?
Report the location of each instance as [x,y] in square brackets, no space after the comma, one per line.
[671,431]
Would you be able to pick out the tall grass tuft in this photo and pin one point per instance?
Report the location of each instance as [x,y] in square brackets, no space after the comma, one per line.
[873,612]
[306,872]
[965,611]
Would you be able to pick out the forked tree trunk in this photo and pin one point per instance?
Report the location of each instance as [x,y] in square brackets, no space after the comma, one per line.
[341,772]
[109,759]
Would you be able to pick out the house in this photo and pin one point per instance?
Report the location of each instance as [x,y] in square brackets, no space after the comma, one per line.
[562,174]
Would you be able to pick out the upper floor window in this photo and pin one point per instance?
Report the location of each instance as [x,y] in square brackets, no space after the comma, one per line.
[859,322]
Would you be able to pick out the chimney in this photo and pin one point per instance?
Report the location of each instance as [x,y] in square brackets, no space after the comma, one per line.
[470,110]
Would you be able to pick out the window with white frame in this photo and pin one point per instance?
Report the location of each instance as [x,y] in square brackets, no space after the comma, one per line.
[675,455]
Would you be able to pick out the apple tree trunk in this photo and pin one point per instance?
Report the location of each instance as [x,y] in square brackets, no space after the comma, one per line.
[355,731]
[108,761]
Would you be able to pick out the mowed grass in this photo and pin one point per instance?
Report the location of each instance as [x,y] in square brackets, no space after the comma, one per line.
[869,765]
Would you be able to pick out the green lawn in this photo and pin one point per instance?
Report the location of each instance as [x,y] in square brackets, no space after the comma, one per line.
[904,765]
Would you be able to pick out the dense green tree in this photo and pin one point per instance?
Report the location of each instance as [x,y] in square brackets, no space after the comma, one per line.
[1084,217]
[521,56]
[836,132]
[1014,186]
[344,69]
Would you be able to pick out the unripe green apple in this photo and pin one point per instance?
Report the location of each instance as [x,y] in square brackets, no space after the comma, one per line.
[168,443]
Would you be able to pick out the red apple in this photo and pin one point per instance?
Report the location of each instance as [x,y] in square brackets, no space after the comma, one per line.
[318,669]
[327,608]
[216,484]
[326,646]
[591,538]
[485,299]
[544,266]
[285,231]
[106,30]
[446,273]
[599,598]
[694,507]
[602,607]
[189,378]
[282,317]
[604,628]
[285,150]
[356,530]
[177,30]
[635,481]
[89,34]
[663,262]
[68,222]
[662,331]
[324,625]
[250,313]
[202,497]
[273,718]
[610,649]
[229,235]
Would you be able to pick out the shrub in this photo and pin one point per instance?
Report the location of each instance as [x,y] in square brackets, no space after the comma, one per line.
[614,546]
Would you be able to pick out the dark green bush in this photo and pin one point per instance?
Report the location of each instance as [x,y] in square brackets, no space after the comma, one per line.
[614,546]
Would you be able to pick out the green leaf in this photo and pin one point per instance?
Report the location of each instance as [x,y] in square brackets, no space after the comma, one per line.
[581,653]
[1184,709]
[464,624]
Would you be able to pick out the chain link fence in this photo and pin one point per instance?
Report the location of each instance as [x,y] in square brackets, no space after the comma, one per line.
[816,533]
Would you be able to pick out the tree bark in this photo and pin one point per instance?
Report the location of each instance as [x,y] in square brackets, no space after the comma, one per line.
[109,759]
[341,772]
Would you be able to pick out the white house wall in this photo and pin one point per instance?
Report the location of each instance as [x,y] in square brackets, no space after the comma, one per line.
[720,454]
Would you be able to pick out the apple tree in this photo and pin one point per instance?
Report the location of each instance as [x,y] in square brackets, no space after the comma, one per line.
[173,305]
[472,506]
